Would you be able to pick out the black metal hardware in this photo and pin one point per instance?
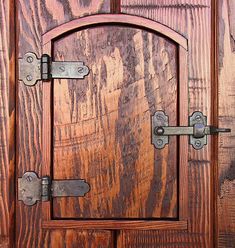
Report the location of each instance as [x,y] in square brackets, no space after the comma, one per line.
[31,188]
[32,69]
[197,130]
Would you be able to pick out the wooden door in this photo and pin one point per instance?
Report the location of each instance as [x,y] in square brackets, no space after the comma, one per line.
[143,56]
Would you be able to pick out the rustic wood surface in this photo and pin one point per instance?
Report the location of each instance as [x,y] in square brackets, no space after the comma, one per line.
[35,18]
[195,24]
[4,123]
[73,238]
[226,162]
[7,123]
[102,124]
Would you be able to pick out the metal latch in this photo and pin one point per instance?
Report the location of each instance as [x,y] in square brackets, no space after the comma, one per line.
[32,69]
[31,188]
[197,130]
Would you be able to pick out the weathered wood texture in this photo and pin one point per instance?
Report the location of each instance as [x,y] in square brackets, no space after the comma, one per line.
[35,18]
[226,162]
[4,123]
[73,238]
[195,24]
[102,124]
[7,120]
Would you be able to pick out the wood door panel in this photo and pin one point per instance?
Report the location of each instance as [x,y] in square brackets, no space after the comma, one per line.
[102,124]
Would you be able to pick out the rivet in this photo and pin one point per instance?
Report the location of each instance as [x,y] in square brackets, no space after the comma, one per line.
[198,117]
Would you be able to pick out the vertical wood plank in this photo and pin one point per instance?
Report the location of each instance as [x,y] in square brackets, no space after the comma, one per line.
[195,24]
[226,159]
[7,121]
[34,18]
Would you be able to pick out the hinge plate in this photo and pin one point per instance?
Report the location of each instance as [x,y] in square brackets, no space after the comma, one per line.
[31,188]
[32,69]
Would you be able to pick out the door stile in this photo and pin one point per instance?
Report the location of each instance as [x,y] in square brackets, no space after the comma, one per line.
[47,110]
[183,140]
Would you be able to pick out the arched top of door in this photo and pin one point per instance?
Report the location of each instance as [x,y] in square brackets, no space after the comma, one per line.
[123,19]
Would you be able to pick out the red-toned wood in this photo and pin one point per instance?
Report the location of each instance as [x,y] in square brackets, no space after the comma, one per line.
[7,123]
[116,224]
[122,103]
[115,18]
[33,19]
[226,157]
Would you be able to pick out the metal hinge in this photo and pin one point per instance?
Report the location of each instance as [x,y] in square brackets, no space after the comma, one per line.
[31,188]
[32,69]
[197,130]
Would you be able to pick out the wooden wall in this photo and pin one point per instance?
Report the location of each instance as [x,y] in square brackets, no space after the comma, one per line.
[226,163]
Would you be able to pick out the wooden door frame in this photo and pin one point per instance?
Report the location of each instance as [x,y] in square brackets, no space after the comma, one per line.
[8,122]
[181,42]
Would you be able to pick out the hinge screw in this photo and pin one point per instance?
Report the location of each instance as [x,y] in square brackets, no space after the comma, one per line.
[29,78]
[198,143]
[29,59]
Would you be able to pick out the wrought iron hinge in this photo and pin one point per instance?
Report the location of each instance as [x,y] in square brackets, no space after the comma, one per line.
[197,130]
[31,188]
[32,69]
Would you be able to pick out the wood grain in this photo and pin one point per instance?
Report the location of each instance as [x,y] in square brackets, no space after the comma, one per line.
[7,120]
[116,224]
[73,238]
[102,127]
[35,18]
[195,24]
[226,160]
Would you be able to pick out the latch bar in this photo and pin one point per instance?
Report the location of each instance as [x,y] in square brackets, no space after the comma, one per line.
[31,188]
[32,69]
[197,130]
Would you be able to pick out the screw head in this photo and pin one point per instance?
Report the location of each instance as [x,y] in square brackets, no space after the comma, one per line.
[198,143]
[80,69]
[159,142]
[29,77]
[62,68]
[29,178]
[29,59]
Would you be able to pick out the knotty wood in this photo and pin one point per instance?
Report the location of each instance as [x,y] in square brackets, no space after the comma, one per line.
[102,124]
[35,18]
[195,24]
[226,157]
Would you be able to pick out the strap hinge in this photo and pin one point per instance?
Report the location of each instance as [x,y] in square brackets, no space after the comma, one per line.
[31,188]
[32,69]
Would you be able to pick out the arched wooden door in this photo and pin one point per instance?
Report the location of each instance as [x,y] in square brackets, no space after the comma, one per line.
[99,128]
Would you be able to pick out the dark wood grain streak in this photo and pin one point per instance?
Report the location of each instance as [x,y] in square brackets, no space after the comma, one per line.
[226,156]
[194,23]
[35,18]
